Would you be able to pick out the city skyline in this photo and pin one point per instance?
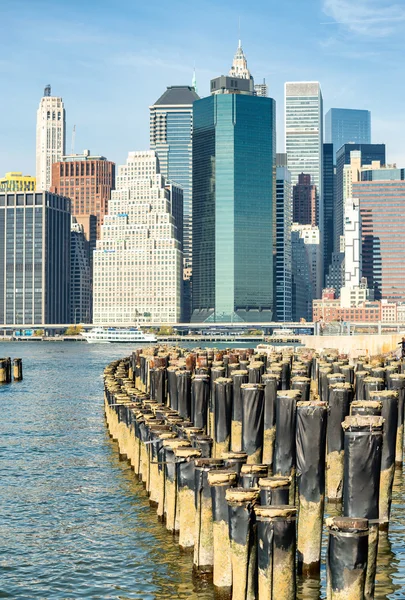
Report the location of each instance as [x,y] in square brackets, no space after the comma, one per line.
[76,58]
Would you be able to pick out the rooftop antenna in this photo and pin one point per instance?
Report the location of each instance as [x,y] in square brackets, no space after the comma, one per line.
[73,140]
[240,43]
[194,81]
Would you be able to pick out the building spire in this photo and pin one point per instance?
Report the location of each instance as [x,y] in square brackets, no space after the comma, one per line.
[194,82]
[239,66]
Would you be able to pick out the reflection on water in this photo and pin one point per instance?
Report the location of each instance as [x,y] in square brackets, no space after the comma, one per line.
[74,522]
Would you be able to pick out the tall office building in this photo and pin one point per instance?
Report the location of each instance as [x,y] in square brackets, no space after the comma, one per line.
[262,89]
[233,203]
[304,139]
[306,273]
[80,275]
[283,274]
[51,137]
[328,204]
[171,125]
[347,126]
[382,208]
[17,182]
[138,262]
[34,258]
[304,201]
[88,181]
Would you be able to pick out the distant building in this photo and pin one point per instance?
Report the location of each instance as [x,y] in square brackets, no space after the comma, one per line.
[17,182]
[262,89]
[233,201]
[328,204]
[304,201]
[382,208]
[80,276]
[239,69]
[51,137]
[330,311]
[283,284]
[88,181]
[347,126]
[138,262]
[306,274]
[34,258]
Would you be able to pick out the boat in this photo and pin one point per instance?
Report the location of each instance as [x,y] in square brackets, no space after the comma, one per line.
[282,332]
[114,335]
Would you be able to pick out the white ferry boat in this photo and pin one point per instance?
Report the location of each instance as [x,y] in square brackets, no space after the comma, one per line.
[283,332]
[113,335]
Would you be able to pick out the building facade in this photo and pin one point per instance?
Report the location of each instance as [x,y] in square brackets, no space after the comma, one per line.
[262,89]
[88,181]
[306,273]
[304,201]
[233,205]
[283,271]
[80,276]
[138,262]
[51,138]
[382,208]
[34,258]
[17,182]
[328,204]
[347,126]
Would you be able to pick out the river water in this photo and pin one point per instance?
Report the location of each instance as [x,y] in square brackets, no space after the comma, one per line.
[74,523]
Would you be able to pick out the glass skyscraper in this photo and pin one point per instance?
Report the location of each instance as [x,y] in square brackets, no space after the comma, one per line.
[328,203]
[34,258]
[283,273]
[233,204]
[347,125]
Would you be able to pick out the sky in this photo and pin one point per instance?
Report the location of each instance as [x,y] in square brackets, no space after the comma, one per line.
[110,61]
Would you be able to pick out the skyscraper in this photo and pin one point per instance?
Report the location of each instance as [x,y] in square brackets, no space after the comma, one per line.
[347,126]
[138,263]
[306,273]
[51,137]
[171,125]
[261,89]
[304,136]
[80,275]
[283,274]
[328,204]
[88,181]
[304,201]
[239,68]
[382,208]
[233,202]
[34,258]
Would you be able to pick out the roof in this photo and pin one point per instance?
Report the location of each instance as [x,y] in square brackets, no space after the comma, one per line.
[178,94]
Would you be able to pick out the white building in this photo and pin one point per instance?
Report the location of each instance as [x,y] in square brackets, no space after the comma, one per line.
[261,89]
[51,137]
[239,67]
[304,134]
[306,271]
[138,263]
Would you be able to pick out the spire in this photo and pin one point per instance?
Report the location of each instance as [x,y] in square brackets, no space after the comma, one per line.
[239,66]
[194,82]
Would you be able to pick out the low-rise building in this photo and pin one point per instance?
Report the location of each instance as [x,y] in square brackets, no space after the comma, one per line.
[15,181]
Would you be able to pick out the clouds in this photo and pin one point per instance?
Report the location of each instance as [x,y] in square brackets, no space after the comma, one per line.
[366,17]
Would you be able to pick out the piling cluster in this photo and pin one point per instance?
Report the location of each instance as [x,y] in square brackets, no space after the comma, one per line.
[10,369]
[239,450]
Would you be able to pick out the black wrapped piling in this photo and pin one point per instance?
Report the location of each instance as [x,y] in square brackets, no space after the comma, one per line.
[274,490]
[347,557]
[17,369]
[200,397]
[363,446]
[3,370]
[396,381]
[161,492]
[372,384]
[255,371]
[270,382]
[184,393]
[242,535]
[172,387]
[389,412]
[216,373]
[239,377]
[366,408]
[276,552]
[222,415]
[311,448]
[359,391]
[203,537]
[303,384]
[185,466]
[220,481]
[171,506]
[284,462]
[250,474]
[233,461]
[323,382]
[340,398]
[252,421]
[203,443]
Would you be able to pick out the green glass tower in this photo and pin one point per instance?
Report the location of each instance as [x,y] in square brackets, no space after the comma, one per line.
[233,204]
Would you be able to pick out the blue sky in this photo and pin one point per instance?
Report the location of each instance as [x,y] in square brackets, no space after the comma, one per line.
[111,60]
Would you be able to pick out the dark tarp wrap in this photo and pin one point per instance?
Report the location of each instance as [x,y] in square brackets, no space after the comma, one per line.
[234,460]
[238,379]
[270,383]
[389,413]
[184,393]
[203,443]
[160,385]
[359,384]
[200,392]
[348,372]
[372,384]
[252,419]
[285,450]
[302,384]
[172,387]
[274,496]
[223,409]
[340,398]
[311,443]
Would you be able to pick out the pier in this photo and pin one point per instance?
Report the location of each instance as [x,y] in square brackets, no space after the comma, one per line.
[241,451]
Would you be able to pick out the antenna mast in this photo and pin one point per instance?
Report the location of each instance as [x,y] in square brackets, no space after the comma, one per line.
[73,140]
